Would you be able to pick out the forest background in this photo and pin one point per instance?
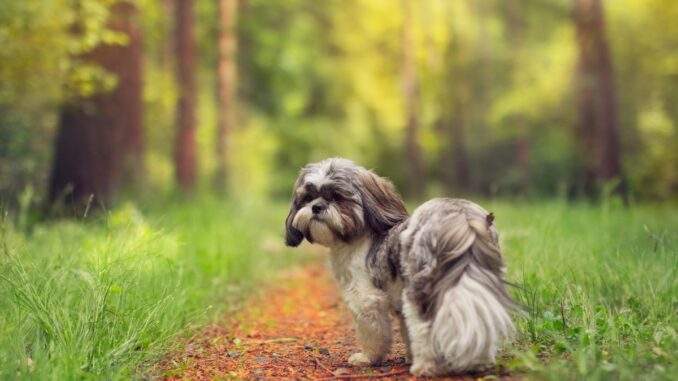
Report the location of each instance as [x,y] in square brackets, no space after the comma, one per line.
[495,98]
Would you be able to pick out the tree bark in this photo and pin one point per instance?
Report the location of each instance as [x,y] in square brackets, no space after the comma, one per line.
[515,25]
[523,157]
[597,126]
[185,145]
[456,101]
[130,90]
[417,177]
[227,77]
[454,163]
[100,139]
[461,167]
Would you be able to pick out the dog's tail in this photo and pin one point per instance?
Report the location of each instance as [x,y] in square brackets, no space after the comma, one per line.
[470,308]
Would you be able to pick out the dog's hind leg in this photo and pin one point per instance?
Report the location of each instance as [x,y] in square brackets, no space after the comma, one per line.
[404,334]
[424,359]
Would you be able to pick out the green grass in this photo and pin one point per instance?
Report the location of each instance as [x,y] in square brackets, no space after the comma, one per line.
[601,289]
[95,300]
[105,298]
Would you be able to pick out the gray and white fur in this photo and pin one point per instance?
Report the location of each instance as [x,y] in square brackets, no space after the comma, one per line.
[440,271]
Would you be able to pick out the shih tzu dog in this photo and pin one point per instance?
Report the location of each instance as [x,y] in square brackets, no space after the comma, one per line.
[440,271]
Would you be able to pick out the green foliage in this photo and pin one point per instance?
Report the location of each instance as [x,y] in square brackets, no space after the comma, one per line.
[34,45]
[319,79]
[41,66]
[599,286]
[98,298]
[644,40]
[328,81]
[94,299]
[43,42]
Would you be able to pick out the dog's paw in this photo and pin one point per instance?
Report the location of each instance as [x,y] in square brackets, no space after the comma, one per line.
[424,369]
[359,359]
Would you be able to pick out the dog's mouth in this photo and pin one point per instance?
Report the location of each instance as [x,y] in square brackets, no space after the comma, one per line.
[320,231]
[320,219]
[317,221]
[312,221]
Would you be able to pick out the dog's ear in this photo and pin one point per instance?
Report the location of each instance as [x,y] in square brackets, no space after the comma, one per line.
[382,205]
[293,237]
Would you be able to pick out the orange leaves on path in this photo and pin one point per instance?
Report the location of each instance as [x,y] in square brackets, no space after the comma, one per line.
[298,329]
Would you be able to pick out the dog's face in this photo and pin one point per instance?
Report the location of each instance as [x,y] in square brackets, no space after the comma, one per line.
[337,201]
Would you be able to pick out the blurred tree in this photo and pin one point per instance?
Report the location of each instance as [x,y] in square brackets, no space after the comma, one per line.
[515,27]
[32,59]
[101,134]
[481,99]
[185,144]
[227,77]
[454,163]
[644,35]
[596,99]
[416,171]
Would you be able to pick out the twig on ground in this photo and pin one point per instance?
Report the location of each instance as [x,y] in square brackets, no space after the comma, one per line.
[320,364]
[354,376]
[358,376]
[270,341]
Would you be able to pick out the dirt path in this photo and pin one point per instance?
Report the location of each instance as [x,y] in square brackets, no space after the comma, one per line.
[299,329]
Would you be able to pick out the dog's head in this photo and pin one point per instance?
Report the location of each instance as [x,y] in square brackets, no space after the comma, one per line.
[337,201]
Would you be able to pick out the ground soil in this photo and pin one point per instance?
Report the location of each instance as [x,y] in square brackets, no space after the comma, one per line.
[297,328]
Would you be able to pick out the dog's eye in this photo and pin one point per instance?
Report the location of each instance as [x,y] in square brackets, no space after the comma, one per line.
[336,197]
[307,199]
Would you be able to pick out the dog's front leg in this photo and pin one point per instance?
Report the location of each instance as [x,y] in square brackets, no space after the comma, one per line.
[373,328]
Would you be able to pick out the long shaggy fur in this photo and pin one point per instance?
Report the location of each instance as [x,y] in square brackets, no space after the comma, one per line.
[451,254]
[440,272]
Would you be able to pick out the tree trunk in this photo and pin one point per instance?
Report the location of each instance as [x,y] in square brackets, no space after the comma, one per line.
[227,77]
[515,23]
[416,173]
[168,52]
[185,145]
[130,89]
[100,138]
[598,126]
[454,163]
[523,158]
[461,170]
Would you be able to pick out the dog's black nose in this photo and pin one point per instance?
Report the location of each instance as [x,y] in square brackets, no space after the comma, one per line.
[317,208]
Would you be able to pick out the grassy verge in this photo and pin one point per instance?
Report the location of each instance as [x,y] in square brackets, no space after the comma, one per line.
[94,300]
[97,299]
[601,287]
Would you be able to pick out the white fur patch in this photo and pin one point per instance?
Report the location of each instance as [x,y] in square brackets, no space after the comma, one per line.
[424,359]
[368,305]
[302,218]
[468,325]
[319,176]
[321,233]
